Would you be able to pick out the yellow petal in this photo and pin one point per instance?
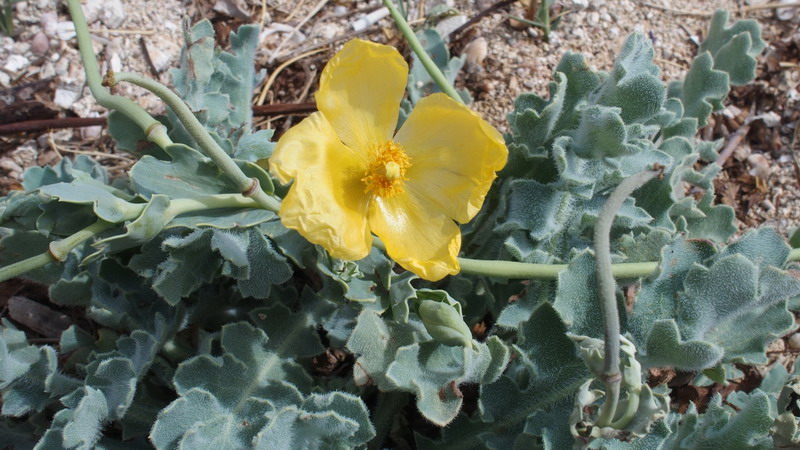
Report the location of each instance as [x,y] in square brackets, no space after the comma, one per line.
[454,155]
[360,91]
[326,203]
[416,235]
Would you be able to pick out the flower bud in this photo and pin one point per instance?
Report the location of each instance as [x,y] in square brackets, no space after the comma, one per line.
[444,323]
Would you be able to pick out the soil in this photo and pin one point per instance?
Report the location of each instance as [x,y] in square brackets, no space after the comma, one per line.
[41,77]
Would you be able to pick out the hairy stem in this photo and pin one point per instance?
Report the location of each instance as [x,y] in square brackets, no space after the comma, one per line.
[199,133]
[606,287]
[426,60]
[519,270]
[57,251]
[155,131]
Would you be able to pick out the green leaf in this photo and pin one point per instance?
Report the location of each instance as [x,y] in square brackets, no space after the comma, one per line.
[684,308]
[229,400]
[703,89]
[331,420]
[724,427]
[190,174]
[420,83]
[130,137]
[634,85]
[140,231]
[577,300]
[20,245]
[105,204]
[24,371]
[734,48]
[547,375]
[218,85]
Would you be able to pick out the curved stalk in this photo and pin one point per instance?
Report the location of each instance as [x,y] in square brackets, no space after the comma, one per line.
[513,269]
[426,60]
[204,140]
[155,131]
[57,251]
[606,289]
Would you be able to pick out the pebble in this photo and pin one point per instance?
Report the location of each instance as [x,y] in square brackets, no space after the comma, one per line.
[794,341]
[15,63]
[65,30]
[328,31]
[40,44]
[234,8]
[476,51]
[449,24]
[49,22]
[110,13]
[778,345]
[66,95]
[91,132]
[760,166]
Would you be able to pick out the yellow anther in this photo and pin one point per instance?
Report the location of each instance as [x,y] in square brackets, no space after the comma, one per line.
[387,170]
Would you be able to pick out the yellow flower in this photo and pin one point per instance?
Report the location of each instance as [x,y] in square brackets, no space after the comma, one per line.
[353,176]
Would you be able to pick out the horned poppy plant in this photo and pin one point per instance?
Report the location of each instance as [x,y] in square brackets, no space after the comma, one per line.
[353,176]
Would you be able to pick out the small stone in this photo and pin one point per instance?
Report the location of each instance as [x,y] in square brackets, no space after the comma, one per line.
[16,63]
[49,22]
[777,346]
[794,341]
[234,8]
[594,17]
[21,47]
[476,51]
[161,60]
[115,63]
[328,31]
[759,165]
[110,13]
[9,165]
[742,152]
[65,30]
[785,13]
[448,25]
[66,95]
[40,44]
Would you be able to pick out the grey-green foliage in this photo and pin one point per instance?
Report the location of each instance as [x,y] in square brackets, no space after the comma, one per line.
[220,327]
[420,83]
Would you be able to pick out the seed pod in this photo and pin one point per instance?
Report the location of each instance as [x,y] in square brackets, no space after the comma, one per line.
[444,323]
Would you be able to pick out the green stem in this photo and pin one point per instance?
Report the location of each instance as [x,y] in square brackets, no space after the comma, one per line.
[57,252]
[607,287]
[187,205]
[634,397]
[204,140]
[513,269]
[387,409]
[155,131]
[426,60]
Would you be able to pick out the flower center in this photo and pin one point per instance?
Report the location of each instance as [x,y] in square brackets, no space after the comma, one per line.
[387,169]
